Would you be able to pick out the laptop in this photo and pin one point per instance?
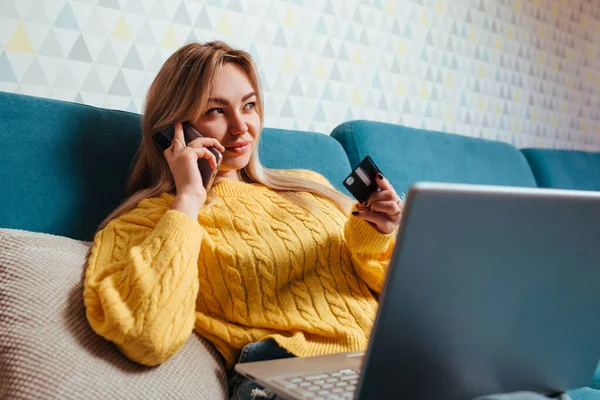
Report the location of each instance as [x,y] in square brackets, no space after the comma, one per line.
[489,290]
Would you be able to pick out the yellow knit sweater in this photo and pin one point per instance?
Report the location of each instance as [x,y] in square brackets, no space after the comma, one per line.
[253,266]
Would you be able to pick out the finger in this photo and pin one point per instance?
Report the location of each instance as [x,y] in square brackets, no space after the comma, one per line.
[178,138]
[384,195]
[207,142]
[205,153]
[390,208]
[383,183]
[371,216]
[381,221]
[177,146]
[361,206]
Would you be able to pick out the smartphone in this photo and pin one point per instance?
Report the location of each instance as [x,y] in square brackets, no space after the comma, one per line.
[164,137]
[362,181]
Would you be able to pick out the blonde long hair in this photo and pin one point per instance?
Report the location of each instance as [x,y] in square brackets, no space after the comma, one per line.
[180,92]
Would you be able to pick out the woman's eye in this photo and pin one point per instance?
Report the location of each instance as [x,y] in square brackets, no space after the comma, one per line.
[215,111]
[250,106]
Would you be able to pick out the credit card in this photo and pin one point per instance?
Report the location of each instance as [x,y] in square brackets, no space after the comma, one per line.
[362,181]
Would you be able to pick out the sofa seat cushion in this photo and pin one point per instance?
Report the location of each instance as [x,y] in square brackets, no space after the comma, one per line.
[406,155]
[48,350]
[565,169]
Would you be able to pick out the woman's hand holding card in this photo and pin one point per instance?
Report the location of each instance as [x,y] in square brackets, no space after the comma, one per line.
[383,208]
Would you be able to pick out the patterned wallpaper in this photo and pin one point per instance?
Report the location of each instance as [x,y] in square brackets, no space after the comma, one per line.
[522,71]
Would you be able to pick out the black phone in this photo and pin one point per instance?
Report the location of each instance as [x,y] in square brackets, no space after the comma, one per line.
[362,181]
[164,137]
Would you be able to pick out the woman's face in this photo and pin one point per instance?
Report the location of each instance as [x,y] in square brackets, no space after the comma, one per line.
[231,118]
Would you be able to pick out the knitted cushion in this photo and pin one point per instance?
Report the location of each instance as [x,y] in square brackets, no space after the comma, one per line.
[48,350]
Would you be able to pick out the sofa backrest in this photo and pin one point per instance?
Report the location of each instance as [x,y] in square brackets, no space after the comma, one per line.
[63,166]
[565,169]
[407,155]
[288,149]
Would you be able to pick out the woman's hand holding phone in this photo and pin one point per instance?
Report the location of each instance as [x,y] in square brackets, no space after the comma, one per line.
[183,162]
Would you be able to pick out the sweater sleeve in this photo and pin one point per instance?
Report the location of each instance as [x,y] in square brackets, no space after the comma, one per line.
[371,251]
[141,282]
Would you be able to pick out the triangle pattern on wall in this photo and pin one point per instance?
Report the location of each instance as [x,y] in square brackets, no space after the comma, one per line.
[505,70]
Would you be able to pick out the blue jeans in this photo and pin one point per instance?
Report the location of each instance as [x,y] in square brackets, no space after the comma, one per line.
[242,388]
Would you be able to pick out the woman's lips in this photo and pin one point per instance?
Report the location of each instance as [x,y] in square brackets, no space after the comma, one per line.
[239,148]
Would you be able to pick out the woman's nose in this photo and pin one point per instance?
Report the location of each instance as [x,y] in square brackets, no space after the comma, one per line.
[237,125]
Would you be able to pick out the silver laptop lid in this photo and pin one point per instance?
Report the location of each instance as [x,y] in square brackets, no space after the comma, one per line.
[489,290]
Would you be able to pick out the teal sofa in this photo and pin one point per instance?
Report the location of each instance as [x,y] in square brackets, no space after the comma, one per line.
[63,168]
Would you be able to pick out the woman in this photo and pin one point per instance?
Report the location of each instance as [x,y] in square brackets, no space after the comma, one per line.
[268,261]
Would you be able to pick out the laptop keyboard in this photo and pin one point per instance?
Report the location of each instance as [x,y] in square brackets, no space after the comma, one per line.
[328,386]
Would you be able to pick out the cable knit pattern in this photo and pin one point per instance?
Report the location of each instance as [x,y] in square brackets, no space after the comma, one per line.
[264,263]
[358,289]
[254,265]
[231,274]
[324,269]
[302,296]
[140,286]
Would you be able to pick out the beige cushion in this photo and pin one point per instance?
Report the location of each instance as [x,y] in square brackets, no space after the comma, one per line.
[48,350]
